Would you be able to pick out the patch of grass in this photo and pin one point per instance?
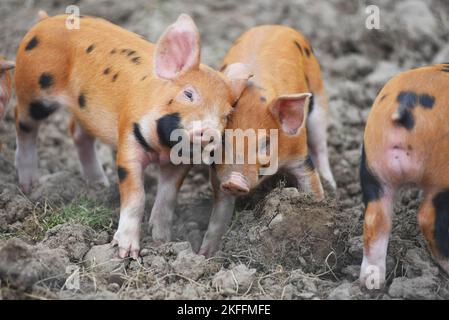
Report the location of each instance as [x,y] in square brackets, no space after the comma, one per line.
[83,211]
[7,235]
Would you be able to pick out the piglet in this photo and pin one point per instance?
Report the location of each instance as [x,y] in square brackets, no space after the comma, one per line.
[406,142]
[126,92]
[287,97]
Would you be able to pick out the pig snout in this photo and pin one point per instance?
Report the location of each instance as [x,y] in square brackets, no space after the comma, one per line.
[236,184]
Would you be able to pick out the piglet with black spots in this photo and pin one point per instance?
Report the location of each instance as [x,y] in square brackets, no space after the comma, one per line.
[286,107]
[126,92]
[406,142]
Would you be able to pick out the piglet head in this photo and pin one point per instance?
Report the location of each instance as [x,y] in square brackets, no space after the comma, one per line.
[190,96]
[5,85]
[274,133]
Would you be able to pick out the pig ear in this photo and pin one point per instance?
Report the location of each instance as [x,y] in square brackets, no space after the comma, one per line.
[238,75]
[42,15]
[178,49]
[291,111]
[6,65]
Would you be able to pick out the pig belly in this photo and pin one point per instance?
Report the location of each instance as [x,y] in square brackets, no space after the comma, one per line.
[103,126]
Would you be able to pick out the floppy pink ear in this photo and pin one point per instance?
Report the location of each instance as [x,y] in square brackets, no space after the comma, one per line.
[178,49]
[238,75]
[291,111]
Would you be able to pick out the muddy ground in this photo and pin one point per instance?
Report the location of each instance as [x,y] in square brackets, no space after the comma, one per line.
[313,253]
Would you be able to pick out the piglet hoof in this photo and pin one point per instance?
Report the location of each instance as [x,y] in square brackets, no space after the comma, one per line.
[159,234]
[27,187]
[207,250]
[204,252]
[371,281]
[235,185]
[128,246]
[444,264]
[101,182]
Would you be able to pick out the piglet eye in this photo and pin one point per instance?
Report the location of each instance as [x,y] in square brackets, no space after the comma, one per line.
[189,95]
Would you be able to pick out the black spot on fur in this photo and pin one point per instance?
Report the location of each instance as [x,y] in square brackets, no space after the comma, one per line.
[408,99]
[170,102]
[122,173]
[23,127]
[46,80]
[32,43]
[308,163]
[40,110]
[383,98]
[107,71]
[140,139]
[124,50]
[136,60]
[427,101]
[308,82]
[311,104]
[165,126]
[263,99]
[441,204]
[130,53]
[143,78]
[114,78]
[371,187]
[113,51]
[223,67]
[406,118]
[90,48]
[407,102]
[299,47]
[82,100]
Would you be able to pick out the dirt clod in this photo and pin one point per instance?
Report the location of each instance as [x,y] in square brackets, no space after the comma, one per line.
[103,259]
[424,287]
[74,238]
[22,265]
[189,265]
[296,230]
[234,281]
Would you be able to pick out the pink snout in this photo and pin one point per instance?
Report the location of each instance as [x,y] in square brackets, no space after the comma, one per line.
[236,185]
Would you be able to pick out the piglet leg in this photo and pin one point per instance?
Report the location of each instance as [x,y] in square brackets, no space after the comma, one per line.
[26,158]
[317,138]
[170,180]
[307,177]
[376,233]
[85,147]
[435,226]
[220,218]
[131,162]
